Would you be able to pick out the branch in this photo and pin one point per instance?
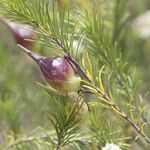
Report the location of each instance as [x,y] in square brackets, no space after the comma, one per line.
[114,107]
[44,138]
[25,140]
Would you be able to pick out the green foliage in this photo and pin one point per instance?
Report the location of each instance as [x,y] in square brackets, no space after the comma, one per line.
[104,131]
[96,39]
[55,23]
[8,111]
[65,119]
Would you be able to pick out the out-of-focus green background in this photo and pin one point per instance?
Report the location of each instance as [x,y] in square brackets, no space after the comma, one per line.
[22,104]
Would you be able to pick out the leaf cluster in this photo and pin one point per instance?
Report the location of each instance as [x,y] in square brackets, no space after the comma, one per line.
[66,119]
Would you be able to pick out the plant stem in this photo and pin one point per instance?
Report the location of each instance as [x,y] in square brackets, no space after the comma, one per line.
[25,140]
[114,107]
[57,147]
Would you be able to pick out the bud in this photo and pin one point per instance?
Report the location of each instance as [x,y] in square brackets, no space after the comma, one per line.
[21,33]
[57,71]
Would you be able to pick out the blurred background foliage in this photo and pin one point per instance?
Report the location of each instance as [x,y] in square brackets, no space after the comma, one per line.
[23,105]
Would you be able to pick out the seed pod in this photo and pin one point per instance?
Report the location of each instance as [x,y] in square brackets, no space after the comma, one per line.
[21,32]
[57,71]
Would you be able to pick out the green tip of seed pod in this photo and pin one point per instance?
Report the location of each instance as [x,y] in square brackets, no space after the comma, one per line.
[72,84]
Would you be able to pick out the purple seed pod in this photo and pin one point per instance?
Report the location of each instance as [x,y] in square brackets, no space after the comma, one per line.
[58,72]
[21,33]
